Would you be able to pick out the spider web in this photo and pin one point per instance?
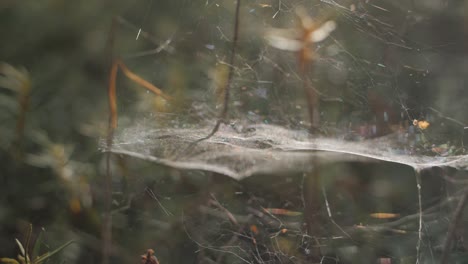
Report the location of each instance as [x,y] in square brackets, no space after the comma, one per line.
[365,83]
[380,77]
[263,149]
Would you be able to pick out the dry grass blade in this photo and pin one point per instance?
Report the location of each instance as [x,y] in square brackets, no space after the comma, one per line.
[132,76]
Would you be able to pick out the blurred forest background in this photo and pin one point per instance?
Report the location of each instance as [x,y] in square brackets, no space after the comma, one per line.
[389,68]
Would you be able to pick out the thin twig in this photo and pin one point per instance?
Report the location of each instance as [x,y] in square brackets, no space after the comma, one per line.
[154,197]
[229,215]
[227,87]
[418,185]
[327,204]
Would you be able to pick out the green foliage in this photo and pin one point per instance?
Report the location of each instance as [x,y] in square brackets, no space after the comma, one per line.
[26,258]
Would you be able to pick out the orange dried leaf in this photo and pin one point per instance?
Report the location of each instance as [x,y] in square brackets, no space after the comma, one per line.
[254,229]
[423,124]
[384,215]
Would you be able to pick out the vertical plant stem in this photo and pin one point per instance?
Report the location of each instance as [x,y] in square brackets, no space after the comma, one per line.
[312,179]
[228,84]
[312,206]
[418,186]
[305,67]
[107,216]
